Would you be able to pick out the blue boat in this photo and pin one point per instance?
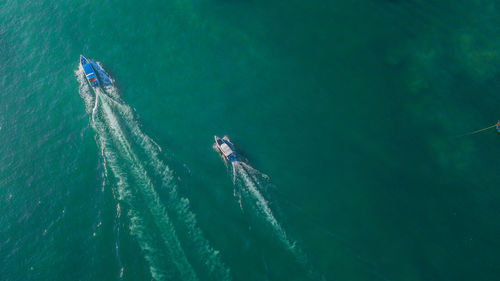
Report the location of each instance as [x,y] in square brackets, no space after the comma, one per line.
[498,126]
[90,72]
[226,148]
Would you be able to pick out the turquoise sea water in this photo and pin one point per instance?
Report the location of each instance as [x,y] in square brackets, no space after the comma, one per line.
[345,111]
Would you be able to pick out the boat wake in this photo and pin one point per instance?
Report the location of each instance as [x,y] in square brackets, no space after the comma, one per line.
[249,183]
[135,172]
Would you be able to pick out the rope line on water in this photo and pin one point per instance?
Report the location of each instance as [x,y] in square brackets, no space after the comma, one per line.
[477,131]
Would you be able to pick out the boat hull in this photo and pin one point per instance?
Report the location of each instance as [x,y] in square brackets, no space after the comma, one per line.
[90,72]
[226,148]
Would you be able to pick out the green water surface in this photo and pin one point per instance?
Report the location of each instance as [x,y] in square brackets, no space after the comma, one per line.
[351,109]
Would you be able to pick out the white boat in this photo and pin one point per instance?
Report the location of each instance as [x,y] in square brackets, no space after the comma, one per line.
[226,148]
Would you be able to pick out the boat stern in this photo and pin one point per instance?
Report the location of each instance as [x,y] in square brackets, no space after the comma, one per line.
[232,157]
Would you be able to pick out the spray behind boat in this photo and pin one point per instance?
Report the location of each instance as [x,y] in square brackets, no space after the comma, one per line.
[137,176]
[249,189]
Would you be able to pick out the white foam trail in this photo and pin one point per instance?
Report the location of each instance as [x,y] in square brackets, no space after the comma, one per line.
[234,173]
[109,114]
[146,189]
[137,227]
[262,205]
[249,180]
[84,89]
[94,110]
[206,255]
[119,156]
[116,229]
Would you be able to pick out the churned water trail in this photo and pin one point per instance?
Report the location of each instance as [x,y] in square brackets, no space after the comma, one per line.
[252,180]
[248,180]
[167,260]
[206,257]
[156,209]
[122,145]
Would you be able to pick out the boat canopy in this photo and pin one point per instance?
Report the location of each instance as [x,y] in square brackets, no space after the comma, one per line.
[226,150]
